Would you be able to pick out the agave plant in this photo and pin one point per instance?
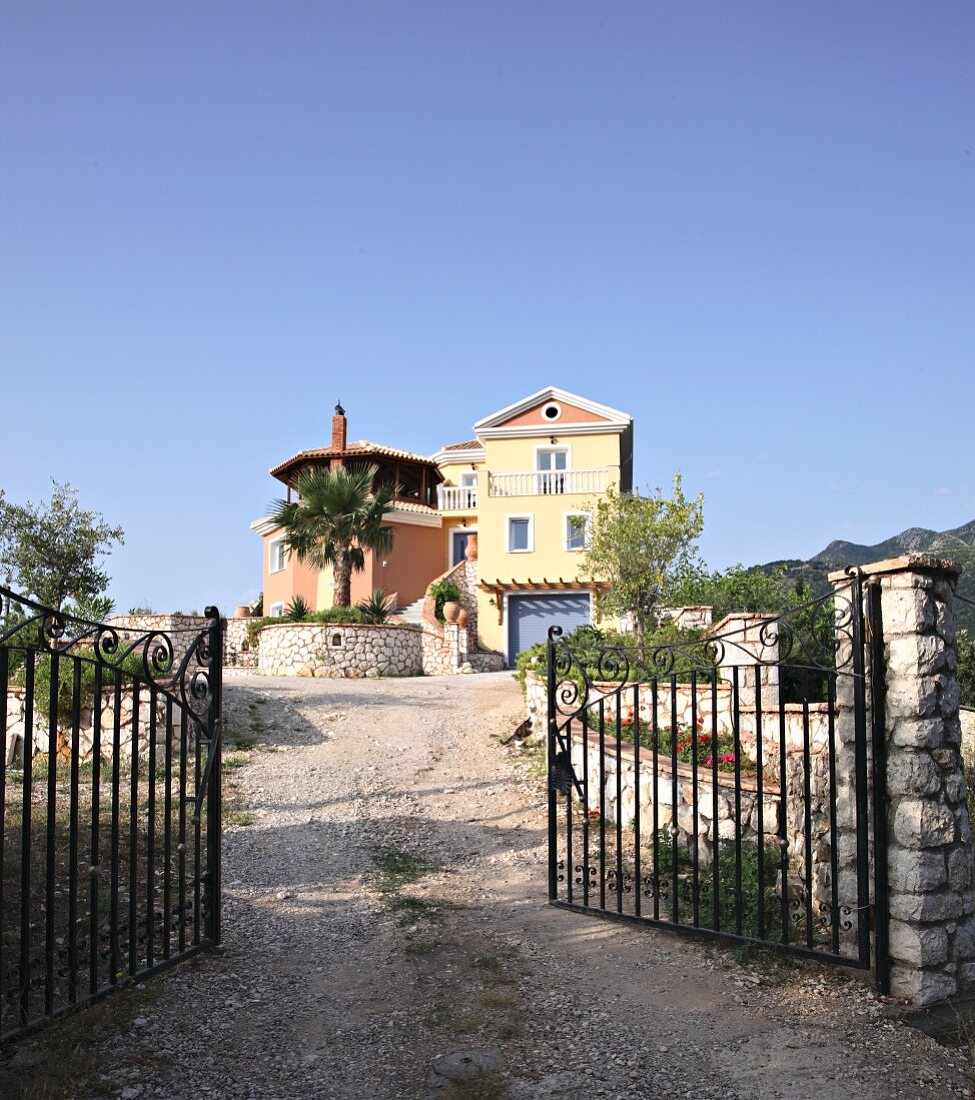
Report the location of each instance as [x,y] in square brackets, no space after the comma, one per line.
[298,610]
[377,608]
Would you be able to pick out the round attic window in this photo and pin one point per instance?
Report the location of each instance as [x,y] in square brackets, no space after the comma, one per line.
[552,411]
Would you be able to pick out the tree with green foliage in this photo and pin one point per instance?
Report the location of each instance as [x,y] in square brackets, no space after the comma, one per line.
[966,668]
[52,551]
[337,517]
[643,545]
[731,590]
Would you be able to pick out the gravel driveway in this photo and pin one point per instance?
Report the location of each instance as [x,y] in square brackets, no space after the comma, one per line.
[386,907]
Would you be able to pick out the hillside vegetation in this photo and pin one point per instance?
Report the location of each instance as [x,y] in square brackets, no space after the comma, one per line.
[957,544]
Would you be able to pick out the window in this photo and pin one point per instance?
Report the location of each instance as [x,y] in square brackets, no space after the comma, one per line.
[468,485]
[276,610]
[521,534]
[551,464]
[277,555]
[552,411]
[576,530]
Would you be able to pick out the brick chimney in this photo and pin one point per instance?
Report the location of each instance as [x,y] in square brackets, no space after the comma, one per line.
[339,429]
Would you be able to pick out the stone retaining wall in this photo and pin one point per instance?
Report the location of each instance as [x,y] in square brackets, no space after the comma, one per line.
[15,728]
[536,708]
[620,798]
[339,650]
[237,650]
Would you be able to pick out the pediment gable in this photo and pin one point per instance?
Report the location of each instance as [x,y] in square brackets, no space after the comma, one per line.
[551,409]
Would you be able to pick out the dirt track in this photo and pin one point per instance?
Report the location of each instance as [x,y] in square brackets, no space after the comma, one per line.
[386,905]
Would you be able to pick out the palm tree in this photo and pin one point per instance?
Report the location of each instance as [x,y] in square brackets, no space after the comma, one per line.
[336,518]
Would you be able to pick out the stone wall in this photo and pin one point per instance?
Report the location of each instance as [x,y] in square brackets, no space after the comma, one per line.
[448,648]
[688,707]
[339,650]
[40,740]
[601,771]
[237,650]
[929,852]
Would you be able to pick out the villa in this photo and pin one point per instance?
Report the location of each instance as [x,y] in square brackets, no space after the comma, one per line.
[524,486]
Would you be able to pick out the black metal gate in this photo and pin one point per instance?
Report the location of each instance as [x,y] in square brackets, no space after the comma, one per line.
[726,783]
[109,805]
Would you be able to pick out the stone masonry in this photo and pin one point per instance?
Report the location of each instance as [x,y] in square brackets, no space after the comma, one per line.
[929,854]
[340,650]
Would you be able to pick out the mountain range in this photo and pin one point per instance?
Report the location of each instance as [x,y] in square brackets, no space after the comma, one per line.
[957,544]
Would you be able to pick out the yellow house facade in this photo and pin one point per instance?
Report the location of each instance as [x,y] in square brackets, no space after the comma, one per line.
[524,487]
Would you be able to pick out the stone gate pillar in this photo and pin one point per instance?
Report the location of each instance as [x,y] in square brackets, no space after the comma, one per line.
[929,852]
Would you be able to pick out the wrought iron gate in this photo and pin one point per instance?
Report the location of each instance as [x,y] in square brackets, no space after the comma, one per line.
[109,805]
[727,784]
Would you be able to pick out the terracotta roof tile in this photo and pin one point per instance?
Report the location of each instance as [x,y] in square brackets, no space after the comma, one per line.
[467,445]
[361,448]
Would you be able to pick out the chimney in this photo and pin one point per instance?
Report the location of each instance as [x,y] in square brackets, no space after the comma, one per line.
[339,426]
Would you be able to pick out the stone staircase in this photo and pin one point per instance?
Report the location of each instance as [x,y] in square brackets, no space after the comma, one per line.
[412,613]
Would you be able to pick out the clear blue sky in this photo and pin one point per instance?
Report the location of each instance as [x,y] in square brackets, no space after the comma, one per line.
[750,225]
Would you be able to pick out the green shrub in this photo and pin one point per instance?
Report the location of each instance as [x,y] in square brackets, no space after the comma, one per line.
[349,615]
[668,651]
[750,901]
[441,592]
[966,668]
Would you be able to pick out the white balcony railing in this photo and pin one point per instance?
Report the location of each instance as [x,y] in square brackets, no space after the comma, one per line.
[461,498]
[534,483]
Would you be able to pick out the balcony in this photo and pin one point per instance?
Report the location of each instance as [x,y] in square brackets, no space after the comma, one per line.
[534,483]
[457,498]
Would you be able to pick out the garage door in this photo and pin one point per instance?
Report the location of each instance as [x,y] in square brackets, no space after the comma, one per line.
[529,618]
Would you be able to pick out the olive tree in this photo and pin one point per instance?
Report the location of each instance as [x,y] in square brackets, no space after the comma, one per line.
[53,551]
[642,545]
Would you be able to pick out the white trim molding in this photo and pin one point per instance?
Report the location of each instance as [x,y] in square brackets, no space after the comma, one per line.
[612,418]
[264,525]
[414,519]
[459,458]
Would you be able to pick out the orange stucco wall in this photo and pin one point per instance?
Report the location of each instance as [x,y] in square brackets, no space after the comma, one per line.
[571,414]
[294,579]
[416,559]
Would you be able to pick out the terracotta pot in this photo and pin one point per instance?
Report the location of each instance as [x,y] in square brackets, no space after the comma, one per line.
[470,551]
[450,611]
[462,618]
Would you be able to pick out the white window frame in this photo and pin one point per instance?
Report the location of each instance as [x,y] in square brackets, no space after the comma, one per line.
[272,547]
[549,448]
[551,419]
[531,532]
[566,517]
[276,610]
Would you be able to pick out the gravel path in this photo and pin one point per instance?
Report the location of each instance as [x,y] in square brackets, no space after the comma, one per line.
[385,907]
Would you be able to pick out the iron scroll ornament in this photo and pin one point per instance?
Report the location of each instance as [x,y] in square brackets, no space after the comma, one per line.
[801,637]
[180,672]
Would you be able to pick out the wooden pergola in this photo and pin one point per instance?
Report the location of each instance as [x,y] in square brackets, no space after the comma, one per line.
[499,588]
